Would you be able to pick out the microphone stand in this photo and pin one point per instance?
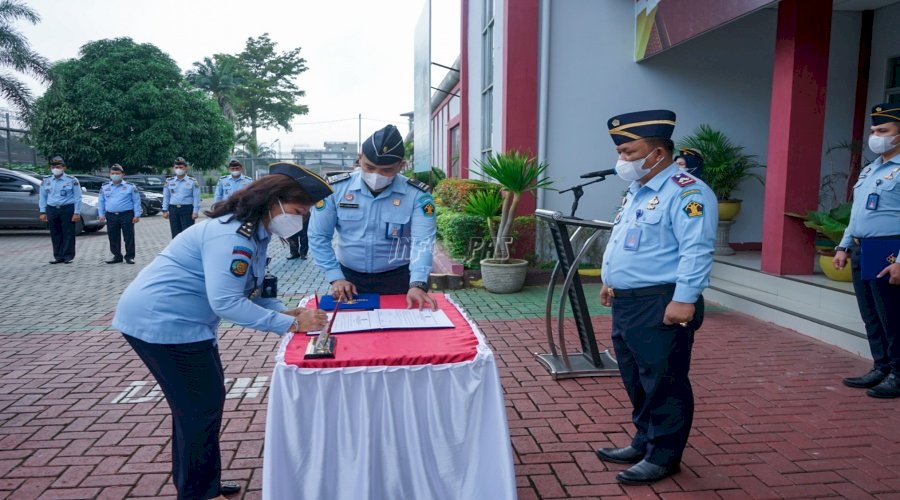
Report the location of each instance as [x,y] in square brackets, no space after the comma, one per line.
[578,192]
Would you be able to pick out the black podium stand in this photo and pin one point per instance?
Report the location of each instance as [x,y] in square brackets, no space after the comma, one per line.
[590,362]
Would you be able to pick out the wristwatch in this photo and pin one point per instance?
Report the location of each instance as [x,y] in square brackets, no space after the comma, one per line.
[841,249]
[421,285]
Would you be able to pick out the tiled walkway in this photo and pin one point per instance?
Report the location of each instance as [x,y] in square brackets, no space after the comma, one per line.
[79,417]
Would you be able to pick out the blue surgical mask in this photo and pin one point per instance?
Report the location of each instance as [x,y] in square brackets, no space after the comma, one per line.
[115,177]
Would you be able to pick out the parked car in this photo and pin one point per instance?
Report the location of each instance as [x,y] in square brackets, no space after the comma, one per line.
[148,182]
[151,203]
[19,204]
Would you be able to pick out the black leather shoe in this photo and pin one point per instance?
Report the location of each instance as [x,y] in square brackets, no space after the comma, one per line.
[626,455]
[889,388]
[868,380]
[56,262]
[302,257]
[114,261]
[129,261]
[68,261]
[228,487]
[292,257]
[645,473]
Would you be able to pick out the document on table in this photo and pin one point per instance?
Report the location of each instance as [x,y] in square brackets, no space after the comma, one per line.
[388,319]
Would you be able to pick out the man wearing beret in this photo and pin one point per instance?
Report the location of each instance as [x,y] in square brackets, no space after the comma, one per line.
[873,238]
[655,266]
[60,207]
[385,222]
[181,199]
[230,183]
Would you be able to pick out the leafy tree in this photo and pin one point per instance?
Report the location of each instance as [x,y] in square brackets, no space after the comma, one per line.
[267,95]
[16,53]
[218,76]
[123,102]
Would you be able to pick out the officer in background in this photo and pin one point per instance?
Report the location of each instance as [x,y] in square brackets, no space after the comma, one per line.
[181,199]
[230,183]
[60,206]
[691,161]
[120,207]
[299,243]
[876,215]
[655,266]
[385,222]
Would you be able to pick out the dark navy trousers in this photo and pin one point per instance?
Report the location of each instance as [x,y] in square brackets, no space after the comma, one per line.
[879,307]
[395,281]
[191,377]
[62,231]
[180,218]
[119,225]
[654,360]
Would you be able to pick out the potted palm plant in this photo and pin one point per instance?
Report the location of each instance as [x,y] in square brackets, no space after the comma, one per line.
[725,166]
[515,173]
[829,226]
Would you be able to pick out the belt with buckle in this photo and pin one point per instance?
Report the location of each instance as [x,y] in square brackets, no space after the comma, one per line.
[856,241]
[646,291]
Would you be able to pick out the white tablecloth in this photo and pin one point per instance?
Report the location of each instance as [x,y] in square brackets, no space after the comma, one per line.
[394,433]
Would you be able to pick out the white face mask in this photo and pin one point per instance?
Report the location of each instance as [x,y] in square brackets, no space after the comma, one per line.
[881,145]
[179,171]
[631,170]
[376,181]
[57,171]
[115,177]
[235,173]
[285,225]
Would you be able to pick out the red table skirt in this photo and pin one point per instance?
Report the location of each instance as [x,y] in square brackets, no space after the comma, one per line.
[394,347]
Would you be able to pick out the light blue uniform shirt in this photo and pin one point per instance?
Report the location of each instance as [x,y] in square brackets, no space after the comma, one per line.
[376,234]
[184,191]
[208,272]
[228,185]
[881,179]
[119,197]
[665,232]
[59,191]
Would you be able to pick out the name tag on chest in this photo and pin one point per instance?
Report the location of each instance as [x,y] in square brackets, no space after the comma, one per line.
[633,239]
[348,205]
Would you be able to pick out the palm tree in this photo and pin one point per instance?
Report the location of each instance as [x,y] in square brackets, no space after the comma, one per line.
[220,78]
[16,53]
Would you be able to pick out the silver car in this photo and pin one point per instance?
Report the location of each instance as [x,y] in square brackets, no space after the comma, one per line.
[19,195]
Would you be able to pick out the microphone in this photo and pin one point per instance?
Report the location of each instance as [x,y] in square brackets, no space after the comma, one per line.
[599,173]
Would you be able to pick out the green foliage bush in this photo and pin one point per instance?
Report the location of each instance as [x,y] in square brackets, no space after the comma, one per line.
[453,193]
[457,230]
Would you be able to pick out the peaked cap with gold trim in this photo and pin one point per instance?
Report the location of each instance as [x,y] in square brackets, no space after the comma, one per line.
[885,113]
[641,125]
[384,147]
[315,186]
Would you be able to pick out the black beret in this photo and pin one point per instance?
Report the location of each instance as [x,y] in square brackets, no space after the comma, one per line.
[316,187]
[235,163]
[180,161]
[384,147]
[641,125]
[885,113]
[57,160]
[116,166]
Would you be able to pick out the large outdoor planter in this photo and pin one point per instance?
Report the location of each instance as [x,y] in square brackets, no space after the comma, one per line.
[729,209]
[503,276]
[825,262]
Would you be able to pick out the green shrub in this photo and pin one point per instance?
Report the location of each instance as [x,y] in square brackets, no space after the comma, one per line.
[522,233]
[453,193]
[456,230]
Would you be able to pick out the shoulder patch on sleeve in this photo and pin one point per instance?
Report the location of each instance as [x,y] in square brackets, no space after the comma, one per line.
[239,267]
[429,209]
[689,192]
[334,179]
[693,209]
[421,186]
[683,179]
[320,205]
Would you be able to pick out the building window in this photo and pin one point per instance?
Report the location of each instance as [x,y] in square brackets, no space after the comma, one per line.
[487,78]
[892,92]
[455,139]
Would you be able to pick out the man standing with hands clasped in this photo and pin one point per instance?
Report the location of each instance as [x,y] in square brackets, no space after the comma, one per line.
[181,199]
[875,222]
[120,206]
[655,266]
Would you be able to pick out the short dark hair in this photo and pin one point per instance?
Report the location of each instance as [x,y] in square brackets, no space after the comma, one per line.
[251,203]
[116,168]
[661,142]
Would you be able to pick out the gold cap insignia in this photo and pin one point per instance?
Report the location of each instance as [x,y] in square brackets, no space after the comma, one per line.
[878,109]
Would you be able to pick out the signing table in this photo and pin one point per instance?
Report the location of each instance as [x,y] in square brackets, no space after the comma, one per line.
[400,414]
